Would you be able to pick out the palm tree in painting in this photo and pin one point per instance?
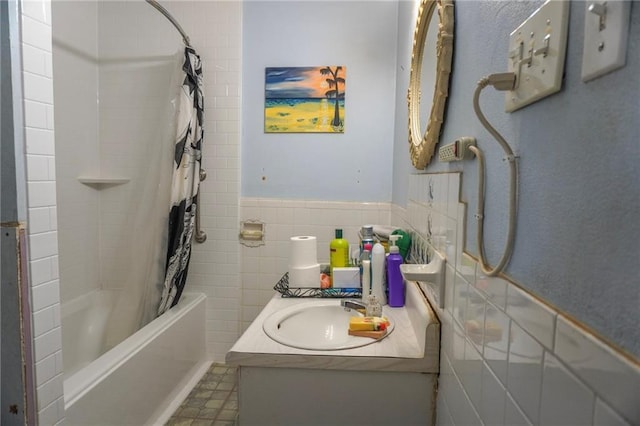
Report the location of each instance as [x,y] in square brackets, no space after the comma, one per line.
[334,91]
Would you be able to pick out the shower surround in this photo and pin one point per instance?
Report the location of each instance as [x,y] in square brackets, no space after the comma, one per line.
[114,196]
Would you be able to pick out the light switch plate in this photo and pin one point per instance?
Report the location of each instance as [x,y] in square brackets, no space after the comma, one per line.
[536,54]
[605,46]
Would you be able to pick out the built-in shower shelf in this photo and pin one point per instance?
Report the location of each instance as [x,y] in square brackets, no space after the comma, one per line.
[99,182]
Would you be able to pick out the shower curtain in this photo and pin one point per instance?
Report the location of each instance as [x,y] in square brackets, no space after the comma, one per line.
[186,180]
[143,90]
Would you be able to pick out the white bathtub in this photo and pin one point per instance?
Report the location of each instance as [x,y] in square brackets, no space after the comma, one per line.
[141,380]
[84,322]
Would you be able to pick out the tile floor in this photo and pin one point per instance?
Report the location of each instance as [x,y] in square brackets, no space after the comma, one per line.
[213,402]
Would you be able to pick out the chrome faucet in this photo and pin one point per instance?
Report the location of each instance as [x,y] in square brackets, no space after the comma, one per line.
[349,304]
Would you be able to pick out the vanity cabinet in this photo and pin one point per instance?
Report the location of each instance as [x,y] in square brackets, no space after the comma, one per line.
[304,396]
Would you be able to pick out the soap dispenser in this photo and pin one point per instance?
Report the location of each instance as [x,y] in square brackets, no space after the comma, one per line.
[395,282]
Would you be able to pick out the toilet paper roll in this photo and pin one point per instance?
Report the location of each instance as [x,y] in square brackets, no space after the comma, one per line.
[307,276]
[303,251]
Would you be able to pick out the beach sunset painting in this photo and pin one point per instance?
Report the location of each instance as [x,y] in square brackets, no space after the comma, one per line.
[304,99]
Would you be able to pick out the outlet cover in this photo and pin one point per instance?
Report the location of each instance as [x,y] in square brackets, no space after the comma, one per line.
[606,29]
[536,54]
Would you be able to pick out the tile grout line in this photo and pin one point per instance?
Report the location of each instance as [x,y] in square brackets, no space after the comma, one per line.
[226,399]
[224,402]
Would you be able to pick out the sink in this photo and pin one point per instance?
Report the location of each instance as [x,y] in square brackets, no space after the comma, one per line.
[320,326]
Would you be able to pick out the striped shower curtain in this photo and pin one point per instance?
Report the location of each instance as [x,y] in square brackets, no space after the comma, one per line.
[186,180]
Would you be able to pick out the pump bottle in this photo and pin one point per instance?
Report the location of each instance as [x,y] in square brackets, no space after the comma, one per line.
[395,282]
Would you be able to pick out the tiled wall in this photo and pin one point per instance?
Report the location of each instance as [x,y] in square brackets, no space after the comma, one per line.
[263,266]
[42,226]
[506,356]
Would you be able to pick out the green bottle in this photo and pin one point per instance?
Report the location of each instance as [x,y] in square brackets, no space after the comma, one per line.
[339,251]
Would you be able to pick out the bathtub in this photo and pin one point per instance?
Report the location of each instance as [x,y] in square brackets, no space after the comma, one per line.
[84,321]
[143,379]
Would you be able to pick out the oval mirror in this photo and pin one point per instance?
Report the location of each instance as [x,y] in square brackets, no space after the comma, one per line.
[429,78]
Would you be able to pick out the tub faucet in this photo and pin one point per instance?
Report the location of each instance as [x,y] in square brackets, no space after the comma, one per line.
[357,305]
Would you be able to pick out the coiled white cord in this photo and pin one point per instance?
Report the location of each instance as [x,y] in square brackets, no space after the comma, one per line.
[505,81]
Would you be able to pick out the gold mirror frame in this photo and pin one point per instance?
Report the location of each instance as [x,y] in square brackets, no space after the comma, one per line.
[422,145]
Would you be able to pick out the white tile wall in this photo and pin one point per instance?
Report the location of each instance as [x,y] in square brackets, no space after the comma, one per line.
[524,371]
[605,416]
[493,398]
[42,226]
[601,367]
[513,415]
[507,356]
[39,141]
[565,399]
[537,318]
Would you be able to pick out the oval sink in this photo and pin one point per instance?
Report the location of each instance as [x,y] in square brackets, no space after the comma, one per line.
[321,326]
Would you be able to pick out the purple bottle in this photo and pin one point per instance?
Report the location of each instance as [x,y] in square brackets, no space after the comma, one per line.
[395,282]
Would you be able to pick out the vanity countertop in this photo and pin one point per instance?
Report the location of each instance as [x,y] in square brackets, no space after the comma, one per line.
[413,346]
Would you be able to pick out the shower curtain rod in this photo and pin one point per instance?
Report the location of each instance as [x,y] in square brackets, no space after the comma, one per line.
[168,15]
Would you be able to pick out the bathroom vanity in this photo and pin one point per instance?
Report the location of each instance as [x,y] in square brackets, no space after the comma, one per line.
[391,381]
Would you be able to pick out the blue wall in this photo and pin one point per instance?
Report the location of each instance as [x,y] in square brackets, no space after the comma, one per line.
[354,166]
[578,232]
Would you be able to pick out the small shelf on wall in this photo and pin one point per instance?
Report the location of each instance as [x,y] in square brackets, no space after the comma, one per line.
[102,182]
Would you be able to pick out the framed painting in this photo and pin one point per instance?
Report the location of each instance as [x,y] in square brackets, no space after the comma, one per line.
[304,99]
